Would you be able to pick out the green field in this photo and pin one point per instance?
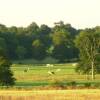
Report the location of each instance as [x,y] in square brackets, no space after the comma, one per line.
[37,75]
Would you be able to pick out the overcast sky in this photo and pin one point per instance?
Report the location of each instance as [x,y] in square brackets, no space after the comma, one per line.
[79,13]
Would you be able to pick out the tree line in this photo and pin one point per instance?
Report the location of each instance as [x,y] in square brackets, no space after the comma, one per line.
[39,42]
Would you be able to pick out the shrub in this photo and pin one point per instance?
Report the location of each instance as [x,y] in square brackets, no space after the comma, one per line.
[56,83]
[72,83]
[96,85]
[87,84]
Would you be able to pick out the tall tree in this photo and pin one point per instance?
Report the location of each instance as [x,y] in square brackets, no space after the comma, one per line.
[3,28]
[88,42]
[32,29]
[6,75]
[62,42]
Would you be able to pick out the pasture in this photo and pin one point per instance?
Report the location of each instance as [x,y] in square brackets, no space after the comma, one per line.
[33,83]
[29,75]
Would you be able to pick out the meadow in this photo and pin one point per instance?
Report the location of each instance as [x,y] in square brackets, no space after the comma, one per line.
[38,74]
[30,75]
[33,82]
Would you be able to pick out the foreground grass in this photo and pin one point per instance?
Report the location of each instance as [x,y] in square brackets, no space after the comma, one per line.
[85,94]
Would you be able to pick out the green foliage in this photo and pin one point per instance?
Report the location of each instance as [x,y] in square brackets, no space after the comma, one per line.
[6,75]
[56,83]
[3,47]
[21,42]
[88,84]
[38,50]
[72,83]
[32,29]
[63,42]
[21,52]
[88,42]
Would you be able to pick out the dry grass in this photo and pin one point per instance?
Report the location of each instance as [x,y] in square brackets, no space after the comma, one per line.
[90,94]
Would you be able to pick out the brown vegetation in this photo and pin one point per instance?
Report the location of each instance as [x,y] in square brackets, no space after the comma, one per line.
[51,95]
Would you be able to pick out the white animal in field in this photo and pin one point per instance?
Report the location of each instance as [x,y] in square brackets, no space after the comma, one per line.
[49,65]
[74,64]
[58,70]
[51,72]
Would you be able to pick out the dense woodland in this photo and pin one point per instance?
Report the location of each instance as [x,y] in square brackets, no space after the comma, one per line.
[39,42]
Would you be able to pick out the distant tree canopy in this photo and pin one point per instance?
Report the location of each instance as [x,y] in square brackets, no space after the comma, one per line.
[39,42]
[63,42]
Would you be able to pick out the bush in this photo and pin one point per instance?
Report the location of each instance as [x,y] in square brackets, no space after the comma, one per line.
[56,83]
[87,84]
[96,85]
[72,83]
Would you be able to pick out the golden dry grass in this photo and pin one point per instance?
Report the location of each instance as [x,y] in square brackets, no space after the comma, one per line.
[84,94]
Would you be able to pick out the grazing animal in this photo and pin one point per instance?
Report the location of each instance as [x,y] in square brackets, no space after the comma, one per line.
[25,70]
[51,72]
[47,65]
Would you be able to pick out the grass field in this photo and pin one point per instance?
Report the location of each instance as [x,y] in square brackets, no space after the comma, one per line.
[37,74]
[91,94]
[33,81]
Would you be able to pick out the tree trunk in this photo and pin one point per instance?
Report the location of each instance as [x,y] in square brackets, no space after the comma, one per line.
[92,65]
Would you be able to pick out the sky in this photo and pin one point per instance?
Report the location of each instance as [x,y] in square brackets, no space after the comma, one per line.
[79,13]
